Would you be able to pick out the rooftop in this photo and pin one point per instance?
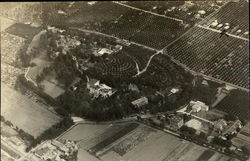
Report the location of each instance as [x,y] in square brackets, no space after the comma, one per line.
[195,124]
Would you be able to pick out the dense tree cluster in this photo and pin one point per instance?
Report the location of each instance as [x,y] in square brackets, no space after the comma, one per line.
[219,141]
[204,93]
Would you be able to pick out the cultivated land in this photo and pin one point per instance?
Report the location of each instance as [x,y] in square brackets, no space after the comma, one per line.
[200,49]
[236,103]
[238,19]
[24,113]
[179,10]
[123,22]
[204,51]
[142,144]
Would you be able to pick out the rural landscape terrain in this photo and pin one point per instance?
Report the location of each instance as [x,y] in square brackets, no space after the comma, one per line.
[125,81]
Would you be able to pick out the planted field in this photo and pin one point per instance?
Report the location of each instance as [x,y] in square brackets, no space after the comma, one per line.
[185,11]
[162,72]
[95,137]
[159,33]
[141,144]
[138,54]
[24,113]
[125,130]
[237,21]
[10,47]
[23,30]
[118,66]
[123,22]
[204,51]
[146,144]
[132,140]
[96,15]
[236,103]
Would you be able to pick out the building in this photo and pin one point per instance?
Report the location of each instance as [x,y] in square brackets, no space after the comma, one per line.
[220,124]
[174,90]
[140,102]
[193,123]
[97,89]
[196,108]
[198,105]
[104,51]
[176,121]
[232,129]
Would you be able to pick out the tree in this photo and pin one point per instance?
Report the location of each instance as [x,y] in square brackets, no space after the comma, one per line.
[202,136]
[225,143]
[246,150]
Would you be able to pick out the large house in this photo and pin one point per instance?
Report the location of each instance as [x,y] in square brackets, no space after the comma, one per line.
[140,102]
[198,106]
[98,89]
[220,125]
[195,124]
[176,121]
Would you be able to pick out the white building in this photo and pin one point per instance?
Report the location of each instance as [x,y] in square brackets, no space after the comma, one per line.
[174,90]
[198,106]
[140,102]
[97,89]
[103,51]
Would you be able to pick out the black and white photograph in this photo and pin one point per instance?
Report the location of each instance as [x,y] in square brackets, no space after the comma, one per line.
[125,80]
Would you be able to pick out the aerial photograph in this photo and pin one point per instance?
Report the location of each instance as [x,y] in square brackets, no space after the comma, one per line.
[125,80]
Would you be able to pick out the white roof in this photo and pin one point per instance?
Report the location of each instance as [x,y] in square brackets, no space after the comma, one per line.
[174,90]
[226,27]
[61,12]
[104,86]
[215,23]
[220,25]
[202,12]
[104,50]
[195,124]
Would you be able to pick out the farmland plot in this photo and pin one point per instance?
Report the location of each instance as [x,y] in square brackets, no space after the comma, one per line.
[236,103]
[204,51]
[237,21]
[24,113]
[159,33]
[23,30]
[157,146]
[95,137]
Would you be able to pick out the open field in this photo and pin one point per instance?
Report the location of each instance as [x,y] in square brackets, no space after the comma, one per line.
[141,144]
[24,113]
[238,19]
[204,51]
[236,103]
